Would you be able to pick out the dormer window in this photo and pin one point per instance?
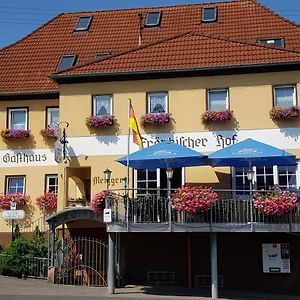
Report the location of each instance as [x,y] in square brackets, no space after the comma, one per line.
[66,61]
[152,19]
[83,23]
[209,14]
[272,42]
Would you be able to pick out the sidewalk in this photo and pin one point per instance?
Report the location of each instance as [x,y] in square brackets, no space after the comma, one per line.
[35,287]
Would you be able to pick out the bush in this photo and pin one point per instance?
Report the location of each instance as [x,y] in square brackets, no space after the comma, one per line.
[13,262]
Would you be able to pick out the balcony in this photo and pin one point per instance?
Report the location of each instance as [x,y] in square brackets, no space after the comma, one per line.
[232,213]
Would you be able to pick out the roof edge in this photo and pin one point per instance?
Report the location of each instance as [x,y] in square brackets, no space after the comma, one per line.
[30,95]
[169,73]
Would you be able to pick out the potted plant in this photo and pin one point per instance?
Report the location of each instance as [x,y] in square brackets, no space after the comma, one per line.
[47,201]
[193,198]
[14,134]
[155,119]
[100,121]
[211,116]
[48,133]
[275,203]
[99,199]
[279,113]
[18,198]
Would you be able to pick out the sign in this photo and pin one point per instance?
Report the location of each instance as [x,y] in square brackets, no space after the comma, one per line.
[13,205]
[276,258]
[58,151]
[13,214]
[107,215]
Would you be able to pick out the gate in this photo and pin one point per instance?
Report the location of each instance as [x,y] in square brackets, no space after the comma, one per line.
[81,261]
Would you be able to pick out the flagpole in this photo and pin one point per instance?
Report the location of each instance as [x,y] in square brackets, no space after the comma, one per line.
[128,143]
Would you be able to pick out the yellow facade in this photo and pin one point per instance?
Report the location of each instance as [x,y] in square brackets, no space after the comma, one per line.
[250,98]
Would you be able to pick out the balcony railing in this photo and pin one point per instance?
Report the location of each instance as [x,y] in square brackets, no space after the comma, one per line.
[231,208]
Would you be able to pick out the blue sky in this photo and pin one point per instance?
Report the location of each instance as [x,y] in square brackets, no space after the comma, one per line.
[20,17]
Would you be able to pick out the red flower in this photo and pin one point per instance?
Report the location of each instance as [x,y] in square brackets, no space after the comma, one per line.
[47,201]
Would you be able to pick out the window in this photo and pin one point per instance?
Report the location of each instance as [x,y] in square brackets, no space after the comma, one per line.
[157,102]
[152,19]
[264,178]
[102,105]
[15,184]
[101,55]
[52,117]
[52,183]
[83,23]
[209,14]
[146,182]
[284,96]
[66,61]
[273,42]
[217,100]
[287,177]
[17,118]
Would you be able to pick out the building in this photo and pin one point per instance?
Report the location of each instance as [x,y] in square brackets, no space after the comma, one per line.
[183,60]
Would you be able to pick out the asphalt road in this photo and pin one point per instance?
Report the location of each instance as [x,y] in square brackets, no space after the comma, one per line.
[33,289]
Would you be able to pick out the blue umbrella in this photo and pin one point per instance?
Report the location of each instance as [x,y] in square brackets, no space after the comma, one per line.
[251,153]
[164,155]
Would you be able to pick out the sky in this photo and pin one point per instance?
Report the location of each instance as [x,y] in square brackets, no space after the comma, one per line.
[20,17]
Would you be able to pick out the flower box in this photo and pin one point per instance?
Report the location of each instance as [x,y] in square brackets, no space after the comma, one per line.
[14,134]
[98,201]
[155,119]
[48,133]
[211,116]
[100,121]
[279,113]
[193,198]
[47,201]
[275,203]
[18,198]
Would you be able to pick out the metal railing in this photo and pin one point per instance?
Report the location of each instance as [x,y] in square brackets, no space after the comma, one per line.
[232,207]
[34,267]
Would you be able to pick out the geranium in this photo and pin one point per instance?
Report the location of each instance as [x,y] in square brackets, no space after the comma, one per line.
[98,201]
[48,133]
[4,202]
[211,116]
[100,121]
[193,198]
[47,201]
[155,119]
[14,134]
[18,198]
[279,113]
[275,203]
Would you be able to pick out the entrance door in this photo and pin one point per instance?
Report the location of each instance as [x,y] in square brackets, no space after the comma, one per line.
[81,261]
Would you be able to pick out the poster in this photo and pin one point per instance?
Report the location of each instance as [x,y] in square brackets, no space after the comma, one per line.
[276,258]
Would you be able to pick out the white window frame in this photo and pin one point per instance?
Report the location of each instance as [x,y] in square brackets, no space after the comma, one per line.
[48,177]
[216,90]
[15,176]
[95,101]
[149,94]
[214,19]
[10,111]
[49,111]
[282,87]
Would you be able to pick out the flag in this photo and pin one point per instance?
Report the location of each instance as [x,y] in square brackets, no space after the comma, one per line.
[137,138]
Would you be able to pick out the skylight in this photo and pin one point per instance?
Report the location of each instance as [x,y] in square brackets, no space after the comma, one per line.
[65,62]
[209,14]
[152,19]
[101,55]
[273,42]
[83,23]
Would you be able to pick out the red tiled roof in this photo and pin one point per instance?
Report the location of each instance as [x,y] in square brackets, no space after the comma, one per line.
[25,65]
[192,50]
